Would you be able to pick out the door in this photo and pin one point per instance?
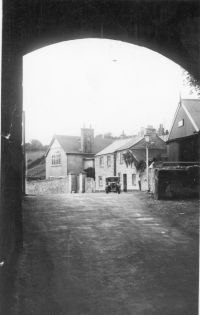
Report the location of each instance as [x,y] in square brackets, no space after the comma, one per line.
[125,182]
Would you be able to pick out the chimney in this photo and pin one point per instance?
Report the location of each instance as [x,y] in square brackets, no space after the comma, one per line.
[150,130]
[161,130]
[87,140]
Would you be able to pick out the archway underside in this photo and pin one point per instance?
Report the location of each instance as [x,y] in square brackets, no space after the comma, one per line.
[170,28]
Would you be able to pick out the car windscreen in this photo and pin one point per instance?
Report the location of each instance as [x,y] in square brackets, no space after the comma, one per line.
[112,179]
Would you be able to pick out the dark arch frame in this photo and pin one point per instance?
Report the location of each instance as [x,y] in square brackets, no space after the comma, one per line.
[168,27]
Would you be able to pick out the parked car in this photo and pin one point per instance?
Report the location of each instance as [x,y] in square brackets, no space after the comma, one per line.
[113,184]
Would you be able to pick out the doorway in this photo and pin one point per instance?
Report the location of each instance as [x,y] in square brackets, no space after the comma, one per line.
[125,182]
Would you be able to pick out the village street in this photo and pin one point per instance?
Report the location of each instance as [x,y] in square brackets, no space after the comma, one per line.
[99,254]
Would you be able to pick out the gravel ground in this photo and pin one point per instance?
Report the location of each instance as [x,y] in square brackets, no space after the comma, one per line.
[98,254]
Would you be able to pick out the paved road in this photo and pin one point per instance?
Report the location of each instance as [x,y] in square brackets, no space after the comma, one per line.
[98,254]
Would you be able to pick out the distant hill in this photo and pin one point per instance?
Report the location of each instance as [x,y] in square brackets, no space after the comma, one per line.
[35,164]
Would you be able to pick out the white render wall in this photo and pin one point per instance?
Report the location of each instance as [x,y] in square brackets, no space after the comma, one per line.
[123,169]
[104,171]
[56,171]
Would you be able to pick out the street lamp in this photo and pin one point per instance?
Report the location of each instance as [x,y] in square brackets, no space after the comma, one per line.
[147,140]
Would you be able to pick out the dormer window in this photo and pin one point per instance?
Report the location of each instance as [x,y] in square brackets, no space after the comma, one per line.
[56,158]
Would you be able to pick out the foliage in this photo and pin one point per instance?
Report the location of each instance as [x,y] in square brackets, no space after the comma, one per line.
[141,166]
[35,145]
[193,83]
[90,172]
[129,158]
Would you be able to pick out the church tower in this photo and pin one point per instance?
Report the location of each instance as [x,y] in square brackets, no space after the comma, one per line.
[87,140]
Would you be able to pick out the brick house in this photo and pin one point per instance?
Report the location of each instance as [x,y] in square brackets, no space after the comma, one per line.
[73,154]
[183,143]
[110,161]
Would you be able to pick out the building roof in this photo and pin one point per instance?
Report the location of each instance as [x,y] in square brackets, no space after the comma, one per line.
[155,143]
[72,144]
[115,146]
[100,143]
[192,109]
[131,142]
[164,137]
[135,142]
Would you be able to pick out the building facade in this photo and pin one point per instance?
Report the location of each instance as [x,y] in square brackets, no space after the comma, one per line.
[73,154]
[183,144]
[112,162]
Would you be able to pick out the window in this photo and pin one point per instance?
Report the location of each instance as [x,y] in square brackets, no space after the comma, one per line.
[100,181]
[181,123]
[133,179]
[121,158]
[56,158]
[101,161]
[108,161]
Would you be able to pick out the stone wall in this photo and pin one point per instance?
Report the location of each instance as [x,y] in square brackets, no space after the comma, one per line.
[89,185]
[72,183]
[44,187]
[179,183]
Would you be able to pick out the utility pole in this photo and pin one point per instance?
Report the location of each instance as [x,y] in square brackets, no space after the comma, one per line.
[147,140]
[23,155]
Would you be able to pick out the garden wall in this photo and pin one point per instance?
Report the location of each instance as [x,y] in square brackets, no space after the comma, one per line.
[176,183]
[48,186]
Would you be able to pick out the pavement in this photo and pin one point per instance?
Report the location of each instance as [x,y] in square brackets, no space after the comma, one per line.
[99,254]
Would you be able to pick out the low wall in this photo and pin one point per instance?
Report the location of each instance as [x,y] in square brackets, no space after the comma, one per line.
[48,186]
[175,183]
[89,185]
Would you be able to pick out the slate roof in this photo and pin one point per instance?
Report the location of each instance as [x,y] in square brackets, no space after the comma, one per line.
[155,143]
[135,142]
[115,146]
[100,143]
[131,142]
[192,107]
[121,144]
[72,144]
[164,137]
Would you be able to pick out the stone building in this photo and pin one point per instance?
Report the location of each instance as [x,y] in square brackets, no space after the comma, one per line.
[73,154]
[111,161]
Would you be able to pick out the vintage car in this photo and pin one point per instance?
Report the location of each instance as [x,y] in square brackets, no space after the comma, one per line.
[113,184]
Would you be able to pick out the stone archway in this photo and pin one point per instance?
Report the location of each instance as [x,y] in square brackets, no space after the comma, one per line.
[170,28]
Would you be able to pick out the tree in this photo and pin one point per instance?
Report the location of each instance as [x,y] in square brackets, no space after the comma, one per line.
[194,84]
[90,172]
[129,158]
[34,145]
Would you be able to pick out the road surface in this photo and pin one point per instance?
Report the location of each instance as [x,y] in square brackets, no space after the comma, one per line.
[99,254]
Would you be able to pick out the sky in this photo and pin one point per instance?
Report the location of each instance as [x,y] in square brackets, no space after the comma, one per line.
[107,84]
